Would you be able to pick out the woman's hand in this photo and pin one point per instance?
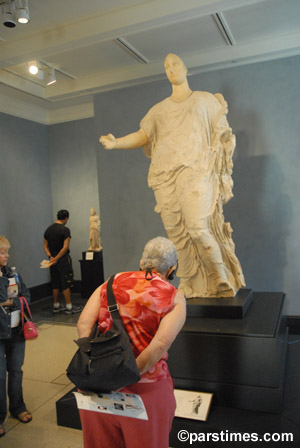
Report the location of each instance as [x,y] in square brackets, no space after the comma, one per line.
[168,329]
[108,141]
[8,302]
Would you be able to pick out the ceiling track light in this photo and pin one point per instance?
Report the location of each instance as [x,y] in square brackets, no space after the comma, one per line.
[22,11]
[14,11]
[41,70]
[33,67]
[50,76]
[8,11]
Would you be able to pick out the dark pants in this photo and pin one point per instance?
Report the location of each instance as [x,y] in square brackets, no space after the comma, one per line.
[61,273]
[12,353]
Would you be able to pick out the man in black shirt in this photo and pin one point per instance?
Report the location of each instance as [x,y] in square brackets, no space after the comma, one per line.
[56,245]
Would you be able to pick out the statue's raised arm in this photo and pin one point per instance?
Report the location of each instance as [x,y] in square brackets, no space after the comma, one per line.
[130,141]
[190,144]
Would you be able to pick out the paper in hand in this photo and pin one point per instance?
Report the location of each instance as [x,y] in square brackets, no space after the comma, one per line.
[45,264]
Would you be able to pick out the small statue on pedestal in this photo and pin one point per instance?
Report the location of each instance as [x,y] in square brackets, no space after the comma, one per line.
[95,225]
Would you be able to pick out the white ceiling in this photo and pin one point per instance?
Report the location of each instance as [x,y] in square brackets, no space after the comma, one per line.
[79,38]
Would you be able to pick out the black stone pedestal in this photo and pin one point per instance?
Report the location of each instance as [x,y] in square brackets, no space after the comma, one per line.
[224,307]
[240,361]
[91,273]
[67,413]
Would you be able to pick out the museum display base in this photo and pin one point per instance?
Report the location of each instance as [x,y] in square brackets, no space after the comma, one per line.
[92,274]
[67,413]
[241,361]
[222,307]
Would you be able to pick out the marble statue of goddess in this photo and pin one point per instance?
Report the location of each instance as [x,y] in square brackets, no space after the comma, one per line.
[190,144]
[95,244]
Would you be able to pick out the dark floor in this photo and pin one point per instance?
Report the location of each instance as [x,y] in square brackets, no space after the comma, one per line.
[221,418]
[42,310]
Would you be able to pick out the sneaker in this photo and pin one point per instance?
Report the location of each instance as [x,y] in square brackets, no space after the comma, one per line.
[73,310]
[2,431]
[59,309]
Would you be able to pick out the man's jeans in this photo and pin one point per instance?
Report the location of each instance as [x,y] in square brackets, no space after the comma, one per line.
[12,353]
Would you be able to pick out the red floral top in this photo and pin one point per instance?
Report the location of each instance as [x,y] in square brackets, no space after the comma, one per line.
[142,305]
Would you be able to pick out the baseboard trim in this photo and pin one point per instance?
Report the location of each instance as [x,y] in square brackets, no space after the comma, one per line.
[40,291]
[45,290]
[76,287]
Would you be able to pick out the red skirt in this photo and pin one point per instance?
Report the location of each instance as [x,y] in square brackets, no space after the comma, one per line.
[111,431]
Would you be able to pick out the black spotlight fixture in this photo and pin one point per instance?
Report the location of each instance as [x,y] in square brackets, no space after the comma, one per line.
[8,10]
[14,11]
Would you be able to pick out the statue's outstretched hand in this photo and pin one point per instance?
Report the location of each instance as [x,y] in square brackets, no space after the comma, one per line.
[108,141]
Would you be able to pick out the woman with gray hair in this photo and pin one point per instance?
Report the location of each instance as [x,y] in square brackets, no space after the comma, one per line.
[153,312]
[160,254]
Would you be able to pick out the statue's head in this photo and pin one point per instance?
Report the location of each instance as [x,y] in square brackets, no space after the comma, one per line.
[175,69]
[93,211]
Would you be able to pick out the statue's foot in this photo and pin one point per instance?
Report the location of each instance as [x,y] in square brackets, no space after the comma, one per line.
[186,289]
[224,289]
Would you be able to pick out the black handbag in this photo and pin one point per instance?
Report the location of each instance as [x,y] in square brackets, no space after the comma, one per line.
[104,361]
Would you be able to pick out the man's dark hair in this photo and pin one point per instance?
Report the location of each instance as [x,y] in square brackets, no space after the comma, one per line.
[62,214]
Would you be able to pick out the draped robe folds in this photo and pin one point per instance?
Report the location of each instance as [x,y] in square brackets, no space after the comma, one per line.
[95,244]
[191,147]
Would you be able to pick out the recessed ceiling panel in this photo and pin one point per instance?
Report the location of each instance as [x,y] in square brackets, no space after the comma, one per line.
[267,19]
[85,61]
[21,71]
[189,36]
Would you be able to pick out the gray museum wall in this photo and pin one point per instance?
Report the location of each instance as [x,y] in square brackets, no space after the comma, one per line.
[43,169]
[74,180]
[25,204]
[263,103]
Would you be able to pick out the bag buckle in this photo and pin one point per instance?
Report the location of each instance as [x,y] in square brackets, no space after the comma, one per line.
[113,308]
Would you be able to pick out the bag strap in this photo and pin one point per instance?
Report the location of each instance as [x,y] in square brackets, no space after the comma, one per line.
[22,301]
[113,307]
